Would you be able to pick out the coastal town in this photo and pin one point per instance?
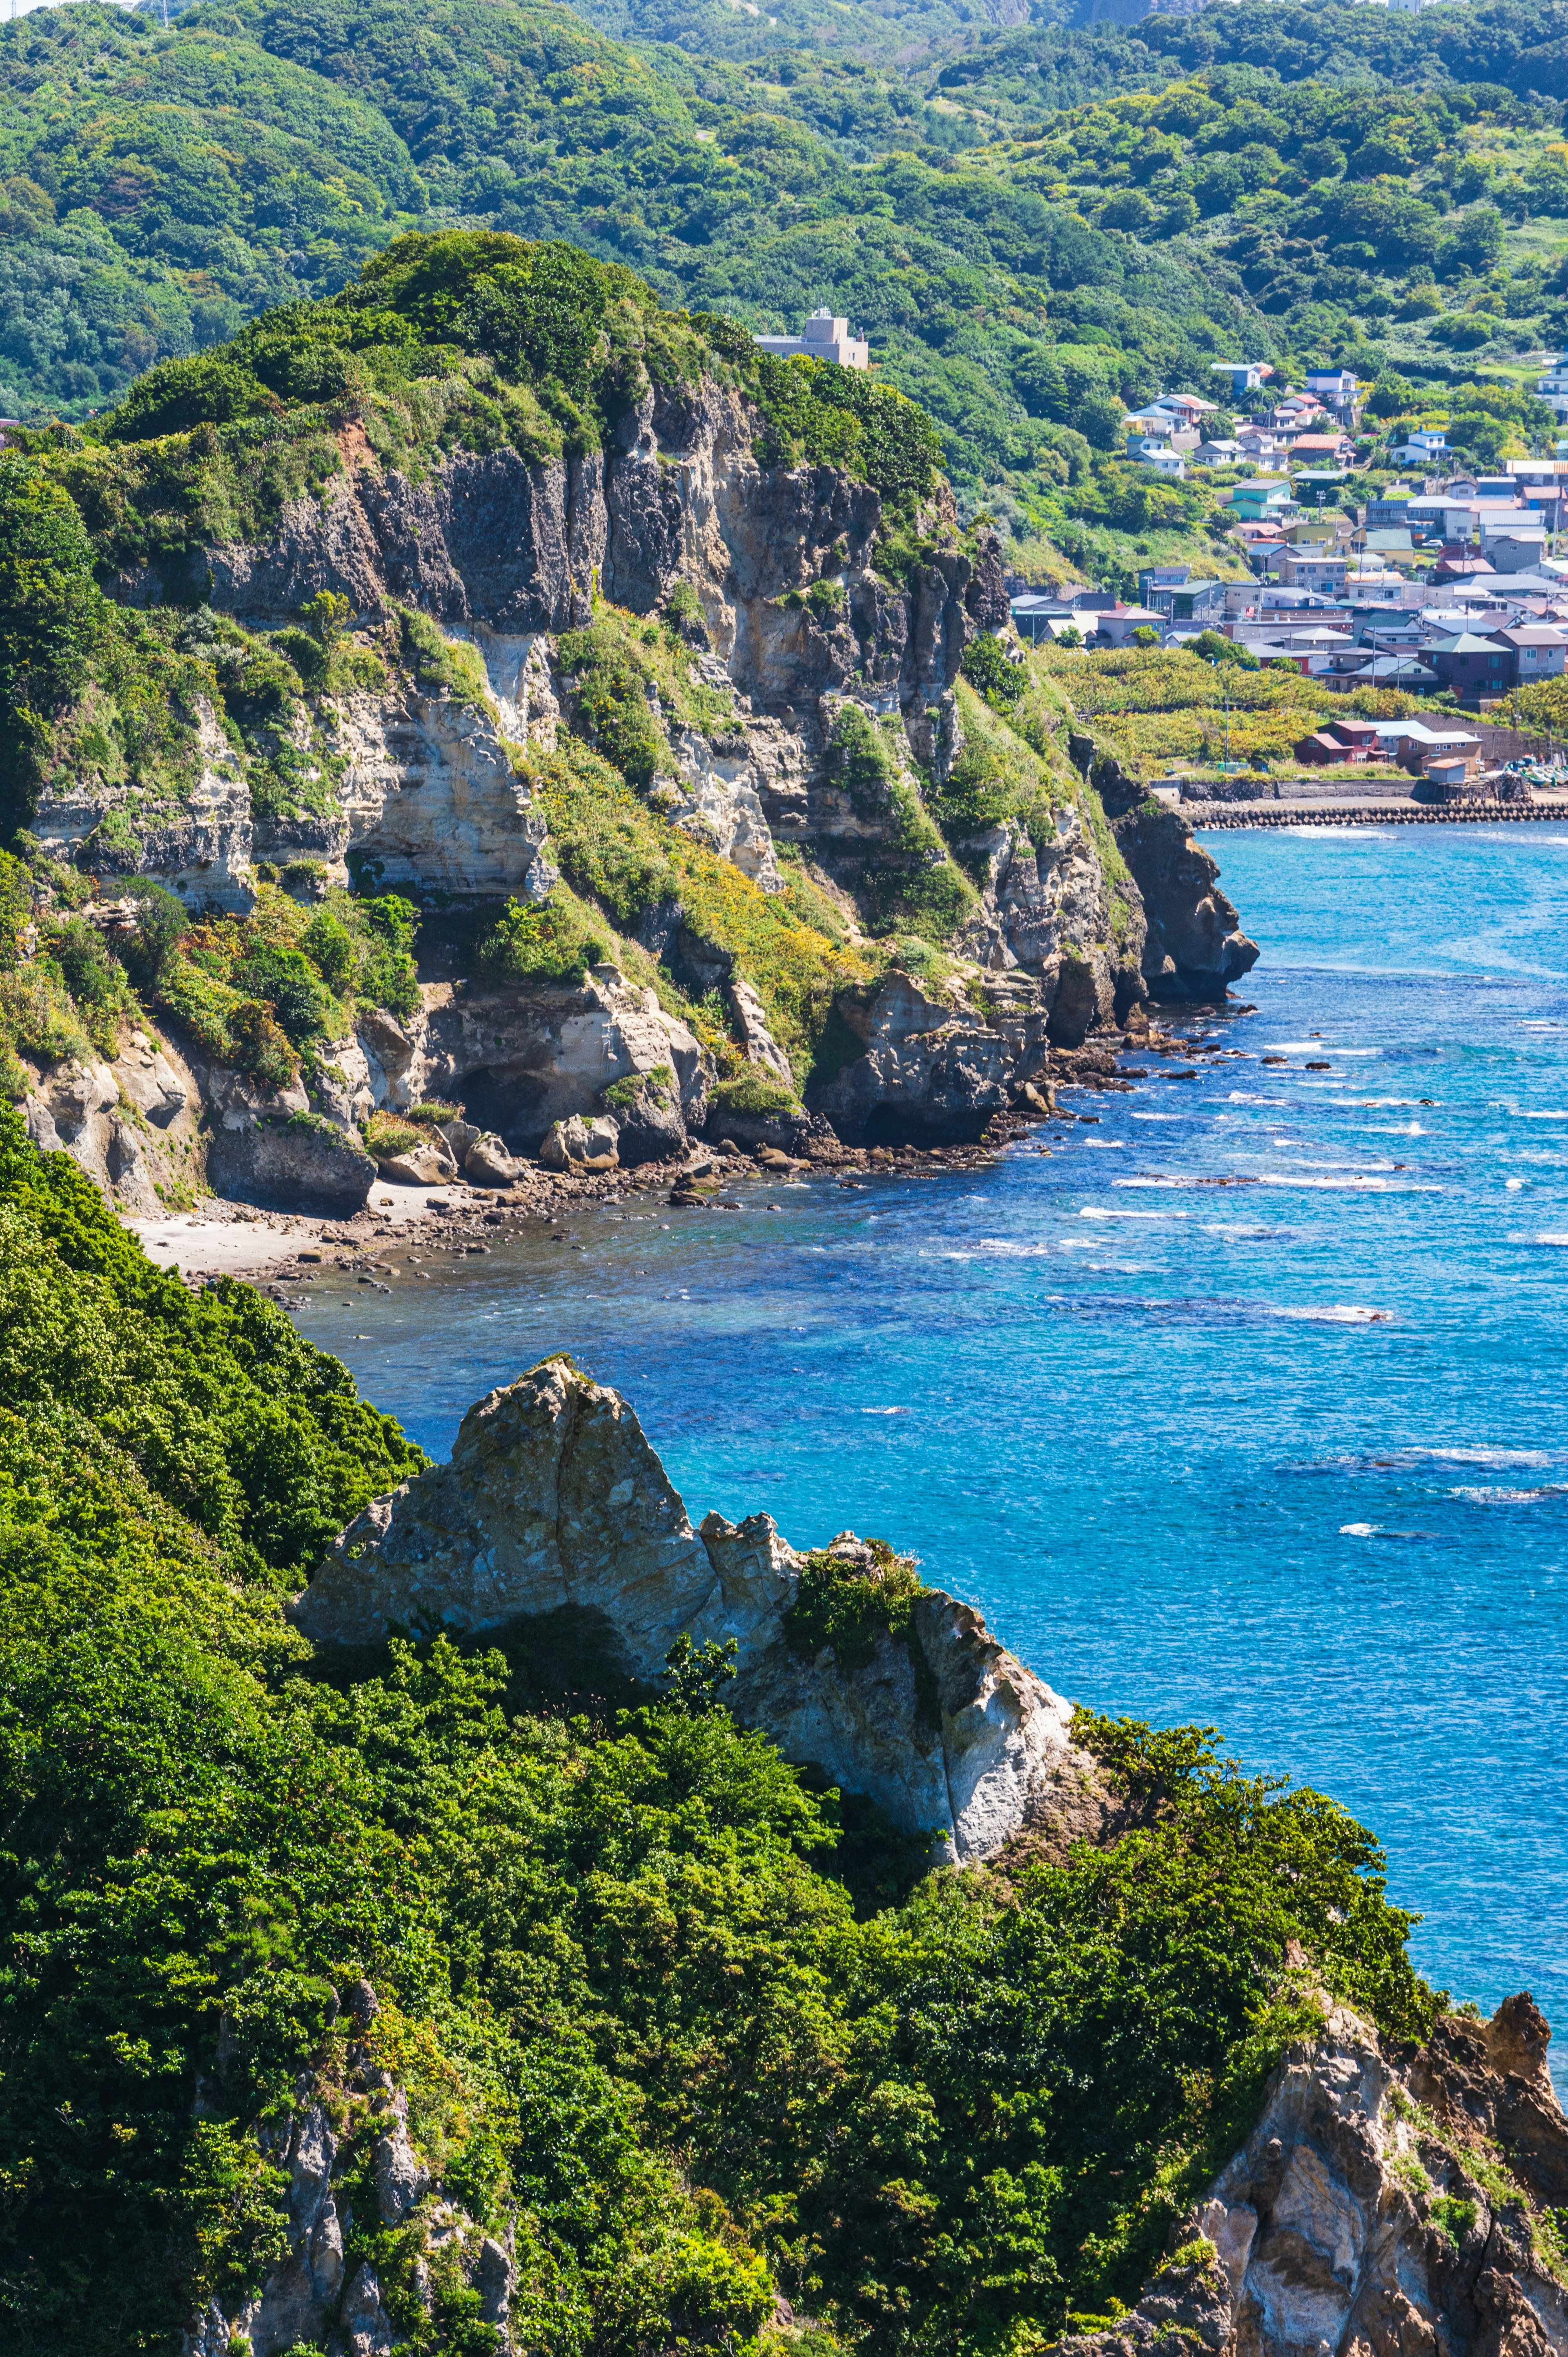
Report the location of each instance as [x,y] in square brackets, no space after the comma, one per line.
[1439,586]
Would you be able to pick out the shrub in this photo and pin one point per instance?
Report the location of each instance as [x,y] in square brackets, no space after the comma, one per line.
[986,667]
[548,942]
[611,706]
[36,1018]
[329,945]
[439,663]
[261,1046]
[846,1605]
[757,1090]
[161,923]
[385,1135]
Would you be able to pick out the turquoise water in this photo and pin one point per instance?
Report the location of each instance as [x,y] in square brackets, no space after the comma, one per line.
[1288,1455]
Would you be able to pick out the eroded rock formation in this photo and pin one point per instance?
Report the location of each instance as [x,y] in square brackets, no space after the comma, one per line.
[554,1500]
[1380,2206]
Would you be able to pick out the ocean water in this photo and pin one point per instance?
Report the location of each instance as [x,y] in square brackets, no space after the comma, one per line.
[1245,1405]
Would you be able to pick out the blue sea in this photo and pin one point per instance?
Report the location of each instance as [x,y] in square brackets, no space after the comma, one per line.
[1245,1405]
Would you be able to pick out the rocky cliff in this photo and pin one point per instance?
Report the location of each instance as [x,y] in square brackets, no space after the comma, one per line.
[1385,2203]
[555,1502]
[484,658]
[1383,2199]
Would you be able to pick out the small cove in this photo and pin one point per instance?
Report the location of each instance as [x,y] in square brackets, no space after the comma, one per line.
[1243,1403]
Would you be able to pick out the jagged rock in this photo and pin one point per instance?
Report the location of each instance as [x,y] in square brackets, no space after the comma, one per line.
[402,2178]
[1321,2227]
[364,2329]
[1195,946]
[422,1166]
[648,1126]
[554,1499]
[933,1069]
[457,1136]
[578,1145]
[751,1028]
[297,1165]
[489,1163]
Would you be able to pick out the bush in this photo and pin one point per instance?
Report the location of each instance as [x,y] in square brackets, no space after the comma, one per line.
[540,943]
[386,1135]
[754,1090]
[161,923]
[261,1046]
[987,668]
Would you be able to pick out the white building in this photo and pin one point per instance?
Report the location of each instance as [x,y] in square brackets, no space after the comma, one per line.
[1553,388]
[826,338]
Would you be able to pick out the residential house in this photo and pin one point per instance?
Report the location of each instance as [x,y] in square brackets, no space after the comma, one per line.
[1538,650]
[1223,453]
[826,338]
[1117,627]
[1552,388]
[1201,603]
[1322,450]
[1405,673]
[1416,741]
[1318,487]
[1163,462]
[1474,668]
[1369,587]
[1313,567]
[1394,547]
[1261,502]
[1243,374]
[1457,562]
[1161,576]
[1342,740]
[1185,407]
[1518,550]
[1420,447]
[1260,446]
[1336,390]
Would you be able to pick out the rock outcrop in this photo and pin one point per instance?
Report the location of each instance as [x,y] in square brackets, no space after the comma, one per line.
[1378,2207]
[555,1500]
[315,2296]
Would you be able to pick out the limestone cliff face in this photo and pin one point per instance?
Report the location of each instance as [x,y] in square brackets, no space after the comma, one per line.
[555,1500]
[1385,2204]
[423,788]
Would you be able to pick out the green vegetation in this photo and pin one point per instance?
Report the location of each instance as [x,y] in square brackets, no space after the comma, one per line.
[265,994]
[847,1603]
[1154,708]
[619,1972]
[1035,225]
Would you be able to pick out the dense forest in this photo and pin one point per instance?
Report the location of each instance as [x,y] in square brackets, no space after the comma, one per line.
[1035,227]
[700,2030]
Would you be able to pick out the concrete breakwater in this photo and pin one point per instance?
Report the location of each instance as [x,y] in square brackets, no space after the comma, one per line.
[1388,814]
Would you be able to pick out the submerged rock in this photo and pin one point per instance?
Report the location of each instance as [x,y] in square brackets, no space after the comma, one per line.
[554,1499]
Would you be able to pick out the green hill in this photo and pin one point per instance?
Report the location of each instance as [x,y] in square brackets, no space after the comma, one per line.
[1035,227]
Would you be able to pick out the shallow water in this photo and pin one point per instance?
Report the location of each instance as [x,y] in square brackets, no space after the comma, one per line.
[1287,1454]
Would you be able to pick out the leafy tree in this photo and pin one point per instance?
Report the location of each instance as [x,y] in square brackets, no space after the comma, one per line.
[51,619]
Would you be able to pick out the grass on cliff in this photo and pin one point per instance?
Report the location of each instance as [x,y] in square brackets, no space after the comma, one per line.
[635,2009]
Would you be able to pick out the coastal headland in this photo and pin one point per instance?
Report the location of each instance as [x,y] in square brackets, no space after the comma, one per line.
[513,744]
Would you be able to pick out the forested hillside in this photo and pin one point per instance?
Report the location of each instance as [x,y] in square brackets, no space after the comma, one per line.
[1035,227]
[675,2027]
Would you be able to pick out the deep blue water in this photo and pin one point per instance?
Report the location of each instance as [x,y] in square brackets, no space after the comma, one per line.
[1148,1422]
